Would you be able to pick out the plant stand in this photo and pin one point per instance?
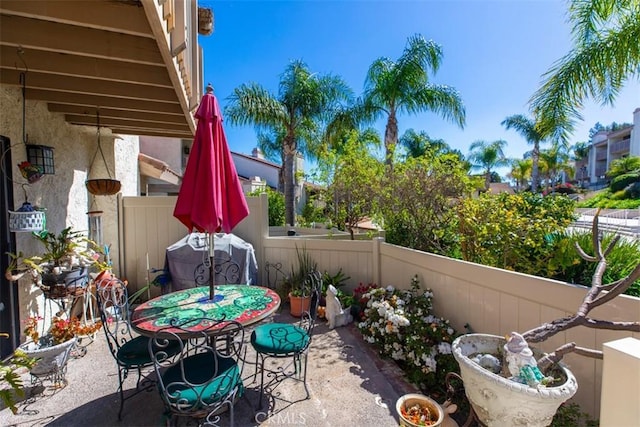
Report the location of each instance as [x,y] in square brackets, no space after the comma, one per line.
[498,401]
[52,363]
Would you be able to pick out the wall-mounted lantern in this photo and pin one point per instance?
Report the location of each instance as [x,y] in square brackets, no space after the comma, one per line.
[41,156]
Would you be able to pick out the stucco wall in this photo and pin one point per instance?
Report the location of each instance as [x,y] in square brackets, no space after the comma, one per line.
[63,194]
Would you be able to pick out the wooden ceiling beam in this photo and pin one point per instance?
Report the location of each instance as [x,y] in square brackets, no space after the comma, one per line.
[83,66]
[105,15]
[150,132]
[79,110]
[110,123]
[36,80]
[103,101]
[63,38]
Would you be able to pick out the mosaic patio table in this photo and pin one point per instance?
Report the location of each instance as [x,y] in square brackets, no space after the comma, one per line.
[246,304]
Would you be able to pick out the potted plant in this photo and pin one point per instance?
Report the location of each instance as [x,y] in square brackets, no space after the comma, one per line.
[61,267]
[519,390]
[299,284]
[52,350]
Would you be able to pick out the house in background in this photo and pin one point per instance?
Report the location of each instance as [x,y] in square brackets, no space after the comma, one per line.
[163,160]
[607,146]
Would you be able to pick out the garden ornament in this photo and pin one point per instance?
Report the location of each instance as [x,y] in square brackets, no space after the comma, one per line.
[336,316]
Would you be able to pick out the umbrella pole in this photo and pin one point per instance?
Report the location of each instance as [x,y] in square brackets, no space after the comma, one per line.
[211,269]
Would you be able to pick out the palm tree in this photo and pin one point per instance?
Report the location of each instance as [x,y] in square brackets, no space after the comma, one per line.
[529,130]
[304,102]
[402,86]
[419,144]
[487,156]
[623,165]
[606,53]
[520,172]
[556,160]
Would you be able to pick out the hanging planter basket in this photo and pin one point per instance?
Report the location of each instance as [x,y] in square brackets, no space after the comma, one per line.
[26,221]
[103,186]
[27,218]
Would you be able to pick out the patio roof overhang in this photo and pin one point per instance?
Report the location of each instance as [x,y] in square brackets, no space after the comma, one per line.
[136,61]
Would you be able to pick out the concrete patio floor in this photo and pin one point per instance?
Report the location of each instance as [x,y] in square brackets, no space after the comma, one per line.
[348,384]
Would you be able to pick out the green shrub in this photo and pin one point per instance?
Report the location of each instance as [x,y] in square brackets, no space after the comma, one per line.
[567,266]
[276,206]
[570,415]
[619,195]
[623,181]
[508,230]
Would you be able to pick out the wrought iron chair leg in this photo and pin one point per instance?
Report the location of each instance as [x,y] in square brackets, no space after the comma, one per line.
[262,359]
[304,377]
[121,390]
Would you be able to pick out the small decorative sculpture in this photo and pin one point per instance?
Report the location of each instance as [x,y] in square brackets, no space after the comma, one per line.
[336,316]
[520,361]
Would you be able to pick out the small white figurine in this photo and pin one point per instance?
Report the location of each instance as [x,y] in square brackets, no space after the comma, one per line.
[520,361]
[336,316]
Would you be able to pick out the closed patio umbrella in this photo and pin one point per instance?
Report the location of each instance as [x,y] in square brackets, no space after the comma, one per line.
[210,197]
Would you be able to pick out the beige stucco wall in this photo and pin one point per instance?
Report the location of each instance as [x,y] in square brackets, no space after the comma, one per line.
[63,194]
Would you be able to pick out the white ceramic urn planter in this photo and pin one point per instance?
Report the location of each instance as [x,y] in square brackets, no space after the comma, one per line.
[498,401]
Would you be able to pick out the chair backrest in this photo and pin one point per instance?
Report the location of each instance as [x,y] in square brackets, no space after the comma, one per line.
[226,271]
[313,282]
[207,371]
[113,306]
[274,275]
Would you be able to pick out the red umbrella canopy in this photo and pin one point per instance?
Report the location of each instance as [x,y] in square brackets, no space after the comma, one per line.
[210,197]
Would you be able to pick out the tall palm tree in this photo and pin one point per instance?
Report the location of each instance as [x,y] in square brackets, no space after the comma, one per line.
[529,130]
[420,143]
[305,101]
[402,86]
[605,54]
[556,160]
[488,156]
[520,172]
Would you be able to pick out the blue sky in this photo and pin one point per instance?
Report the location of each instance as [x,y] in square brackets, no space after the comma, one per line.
[495,53]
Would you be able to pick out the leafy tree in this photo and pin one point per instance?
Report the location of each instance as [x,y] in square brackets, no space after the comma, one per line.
[276,205]
[304,102]
[605,54]
[580,150]
[487,156]
[508,230]
[417,202]
[355,180]
[402,86]
[530,131]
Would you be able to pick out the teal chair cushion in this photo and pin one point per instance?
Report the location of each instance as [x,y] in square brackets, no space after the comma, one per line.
[135,352]
[279,338]
[199,370]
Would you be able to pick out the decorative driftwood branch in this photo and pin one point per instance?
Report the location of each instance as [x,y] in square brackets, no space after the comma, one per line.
[597,295]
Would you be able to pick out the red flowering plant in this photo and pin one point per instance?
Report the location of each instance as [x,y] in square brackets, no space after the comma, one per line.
[361,297]
[61,330]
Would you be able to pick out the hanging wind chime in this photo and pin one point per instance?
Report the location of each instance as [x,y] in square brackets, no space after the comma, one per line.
[101,186]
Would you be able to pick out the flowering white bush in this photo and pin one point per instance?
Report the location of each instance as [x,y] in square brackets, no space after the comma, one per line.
[401,325]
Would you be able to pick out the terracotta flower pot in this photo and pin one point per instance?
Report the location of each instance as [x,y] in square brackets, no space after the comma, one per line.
[299,305]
